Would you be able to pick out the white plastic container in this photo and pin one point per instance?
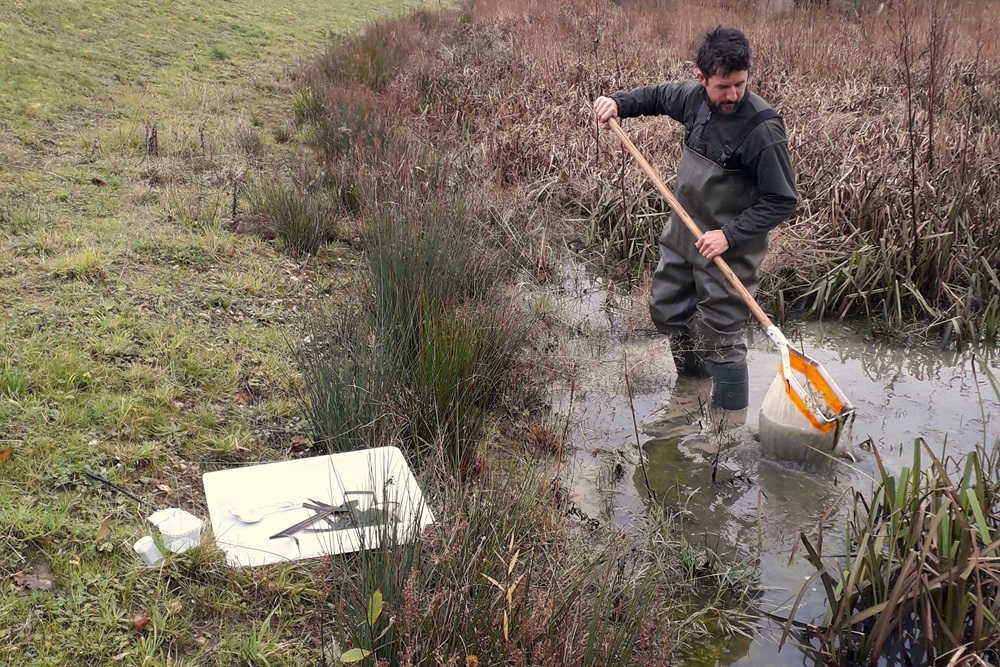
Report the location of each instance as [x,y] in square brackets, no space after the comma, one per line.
[180,530]
[147,550]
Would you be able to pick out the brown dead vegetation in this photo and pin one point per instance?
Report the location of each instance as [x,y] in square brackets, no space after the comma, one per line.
[893,118]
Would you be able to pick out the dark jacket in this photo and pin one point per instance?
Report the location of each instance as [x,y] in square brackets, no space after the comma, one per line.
[764,153]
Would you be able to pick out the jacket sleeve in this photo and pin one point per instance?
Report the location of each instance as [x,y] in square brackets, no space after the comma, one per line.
[768,162]
[668,99]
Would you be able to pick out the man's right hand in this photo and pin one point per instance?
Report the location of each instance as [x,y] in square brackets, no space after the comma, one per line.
[606,109]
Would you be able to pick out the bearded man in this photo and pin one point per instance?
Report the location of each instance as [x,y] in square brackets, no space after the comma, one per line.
[735,180]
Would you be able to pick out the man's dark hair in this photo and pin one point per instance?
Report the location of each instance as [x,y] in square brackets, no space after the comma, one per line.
[724,51]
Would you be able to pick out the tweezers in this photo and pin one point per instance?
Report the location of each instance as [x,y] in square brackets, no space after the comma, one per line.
[323,512]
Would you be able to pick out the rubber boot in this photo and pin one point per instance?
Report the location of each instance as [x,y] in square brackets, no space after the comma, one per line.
[688,359]
[730,387]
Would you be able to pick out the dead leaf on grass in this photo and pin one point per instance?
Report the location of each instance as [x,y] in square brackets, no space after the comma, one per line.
[103,531]
[298,443]
[5,454]
[166,489]
[25,581]
[139,623]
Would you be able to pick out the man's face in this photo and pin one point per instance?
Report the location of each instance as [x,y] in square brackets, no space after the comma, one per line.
[725,91]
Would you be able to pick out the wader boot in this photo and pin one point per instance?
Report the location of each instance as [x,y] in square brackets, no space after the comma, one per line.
[689,294]
[689,356]
[730,387]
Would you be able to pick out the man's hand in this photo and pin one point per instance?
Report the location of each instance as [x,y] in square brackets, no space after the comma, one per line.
[712,244]
[606,109]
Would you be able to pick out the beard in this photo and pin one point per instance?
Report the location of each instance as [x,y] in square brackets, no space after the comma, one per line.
[724,108]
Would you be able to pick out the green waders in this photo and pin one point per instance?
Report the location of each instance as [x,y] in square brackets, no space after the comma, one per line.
[691,301]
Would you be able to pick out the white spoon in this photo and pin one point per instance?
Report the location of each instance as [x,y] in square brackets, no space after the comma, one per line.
[255,514]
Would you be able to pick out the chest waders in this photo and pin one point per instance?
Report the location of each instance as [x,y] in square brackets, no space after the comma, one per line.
[690,300]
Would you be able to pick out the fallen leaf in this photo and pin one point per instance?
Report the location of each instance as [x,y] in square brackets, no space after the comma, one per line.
[166,489]
[31,582]
[140,623]
[103,531]
[5,454]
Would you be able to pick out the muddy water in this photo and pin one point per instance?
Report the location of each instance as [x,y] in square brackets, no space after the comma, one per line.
[754,506]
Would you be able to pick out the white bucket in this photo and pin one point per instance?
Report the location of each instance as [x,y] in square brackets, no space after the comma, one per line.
[786,434]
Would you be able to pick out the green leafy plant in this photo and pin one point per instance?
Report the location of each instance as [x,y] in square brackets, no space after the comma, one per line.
[923,569]
[374,613]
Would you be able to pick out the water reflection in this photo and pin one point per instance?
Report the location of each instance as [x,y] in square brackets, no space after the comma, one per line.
[752,505]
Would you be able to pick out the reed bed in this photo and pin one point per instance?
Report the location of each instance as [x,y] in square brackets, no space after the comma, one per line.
[921,577]
[893,116]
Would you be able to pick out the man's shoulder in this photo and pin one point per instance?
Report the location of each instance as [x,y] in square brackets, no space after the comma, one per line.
[755,103]
[772,129]
[691,87]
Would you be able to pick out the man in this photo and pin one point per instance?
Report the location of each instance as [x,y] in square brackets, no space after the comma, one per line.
[735,180]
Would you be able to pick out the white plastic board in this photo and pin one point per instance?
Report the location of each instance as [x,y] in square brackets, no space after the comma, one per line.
[378,478]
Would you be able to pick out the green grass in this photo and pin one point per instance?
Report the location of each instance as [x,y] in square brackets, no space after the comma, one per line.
[55,55]
[431,348]
[140,337]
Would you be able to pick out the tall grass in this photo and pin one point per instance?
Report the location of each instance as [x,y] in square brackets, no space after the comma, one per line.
[500,579]
[430,347]
[430,259]
[346,378]
[301,219]
[923,571]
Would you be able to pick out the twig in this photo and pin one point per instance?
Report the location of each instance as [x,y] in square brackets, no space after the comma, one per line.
[635,426]
[113,486]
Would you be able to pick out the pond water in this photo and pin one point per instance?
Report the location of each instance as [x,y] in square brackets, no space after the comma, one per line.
[900,393]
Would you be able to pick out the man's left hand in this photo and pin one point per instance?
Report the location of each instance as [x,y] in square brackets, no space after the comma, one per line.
[712,244]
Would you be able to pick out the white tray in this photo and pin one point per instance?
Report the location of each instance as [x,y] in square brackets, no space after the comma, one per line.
[380,476]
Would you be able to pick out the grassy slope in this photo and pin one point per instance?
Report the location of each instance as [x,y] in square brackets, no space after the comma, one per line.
[139,337]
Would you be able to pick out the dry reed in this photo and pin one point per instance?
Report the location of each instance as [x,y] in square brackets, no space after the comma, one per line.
[893,118]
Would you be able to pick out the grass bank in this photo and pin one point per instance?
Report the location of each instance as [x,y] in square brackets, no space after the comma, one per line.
[141,338]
